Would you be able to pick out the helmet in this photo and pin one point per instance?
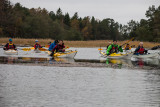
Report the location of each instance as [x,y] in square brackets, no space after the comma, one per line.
[10,40]
[36,40]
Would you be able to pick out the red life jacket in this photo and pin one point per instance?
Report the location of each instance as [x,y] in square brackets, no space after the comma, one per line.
[58,48]
[10,46]
[114,49]
[141,51]
[37,46]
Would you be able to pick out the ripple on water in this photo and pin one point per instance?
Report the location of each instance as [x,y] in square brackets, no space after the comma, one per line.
[78,87]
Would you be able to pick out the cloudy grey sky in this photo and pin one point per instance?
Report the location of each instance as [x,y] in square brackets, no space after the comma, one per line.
[121,11]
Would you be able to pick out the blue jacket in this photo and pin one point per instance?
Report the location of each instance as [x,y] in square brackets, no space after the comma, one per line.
[52,46]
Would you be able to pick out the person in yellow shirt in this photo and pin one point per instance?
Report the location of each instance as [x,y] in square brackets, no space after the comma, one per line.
[127,47]
[10,45]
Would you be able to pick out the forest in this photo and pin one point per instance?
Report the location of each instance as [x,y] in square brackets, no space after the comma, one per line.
[17,21]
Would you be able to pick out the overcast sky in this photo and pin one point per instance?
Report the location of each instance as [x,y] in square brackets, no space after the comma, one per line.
[121,11]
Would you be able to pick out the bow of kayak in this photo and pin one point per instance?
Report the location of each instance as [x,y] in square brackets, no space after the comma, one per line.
[151,55]
[37,51]
[117,55]
[67,54]
[11,52]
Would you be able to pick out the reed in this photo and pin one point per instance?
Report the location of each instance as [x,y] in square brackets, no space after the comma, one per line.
[91,43]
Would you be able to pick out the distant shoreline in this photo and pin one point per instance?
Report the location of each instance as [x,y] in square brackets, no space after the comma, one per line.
[91,43]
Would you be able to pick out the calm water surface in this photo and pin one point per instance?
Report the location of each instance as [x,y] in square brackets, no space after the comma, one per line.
[37,85]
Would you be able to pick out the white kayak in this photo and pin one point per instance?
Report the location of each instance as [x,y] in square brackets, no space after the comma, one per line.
[37,51]
[151,55]
[11,52]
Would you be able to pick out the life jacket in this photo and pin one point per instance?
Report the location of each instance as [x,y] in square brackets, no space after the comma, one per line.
[10,46]
[141,50]
[114,49]
[59,48]
[127,47]
[37,46]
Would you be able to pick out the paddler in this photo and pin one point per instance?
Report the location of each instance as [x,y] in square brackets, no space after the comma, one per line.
[58,48]
[53,45]
[10,45]
[114,48]
[37,45]
[140,49]
[127,47]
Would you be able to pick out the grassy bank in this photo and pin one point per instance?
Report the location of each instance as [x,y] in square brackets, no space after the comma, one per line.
[97,43]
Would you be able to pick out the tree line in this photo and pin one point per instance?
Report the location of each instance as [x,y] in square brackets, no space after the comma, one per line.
[17,21]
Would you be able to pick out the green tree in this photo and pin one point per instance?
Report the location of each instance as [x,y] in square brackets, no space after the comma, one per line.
[67,20]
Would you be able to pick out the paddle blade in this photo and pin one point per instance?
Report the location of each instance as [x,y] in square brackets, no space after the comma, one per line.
[100,49]
[26,49]
[32,48]
[46,46]
[42,49]
[133,39]
[155,47]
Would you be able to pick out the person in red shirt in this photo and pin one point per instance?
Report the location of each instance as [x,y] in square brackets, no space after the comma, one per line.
[140,49]
[58,48]
[37,45]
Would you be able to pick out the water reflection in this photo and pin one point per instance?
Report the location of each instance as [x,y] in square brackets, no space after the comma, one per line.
[112,63]
[126,63]
[140,63]
[12,60]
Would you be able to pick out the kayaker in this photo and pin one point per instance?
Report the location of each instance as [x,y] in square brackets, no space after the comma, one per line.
[114,48]
[37,45]
[58,48]
[140,49]
[53,45]
[127,47]
[10,45]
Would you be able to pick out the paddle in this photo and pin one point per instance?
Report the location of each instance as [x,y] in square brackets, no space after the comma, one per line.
[132,39]
[46,46]
[155,47]
[32,48]
[26,49]
[132,46]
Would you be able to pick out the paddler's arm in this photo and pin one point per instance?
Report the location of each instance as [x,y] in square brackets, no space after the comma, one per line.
[54,48]
[14,47]
[120,48]
[52,52]
[51,47]
[35,46]
[136,50]
[108,49]
[40,46]
[5,47]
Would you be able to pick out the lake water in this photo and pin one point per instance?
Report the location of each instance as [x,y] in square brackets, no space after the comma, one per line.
[36,80]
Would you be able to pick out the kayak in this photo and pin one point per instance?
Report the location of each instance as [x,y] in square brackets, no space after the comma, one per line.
[67,54]
[151,55]
[116,55]
[37,51]
[11,52]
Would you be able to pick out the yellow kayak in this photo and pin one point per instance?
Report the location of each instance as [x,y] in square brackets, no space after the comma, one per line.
[116,55]
[67,54]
